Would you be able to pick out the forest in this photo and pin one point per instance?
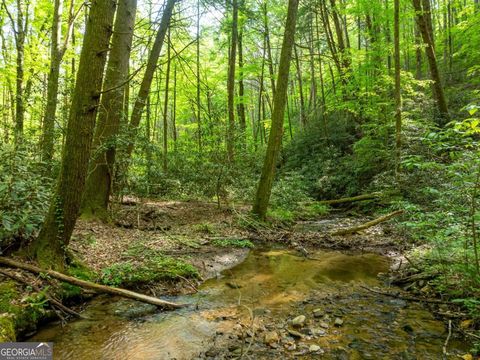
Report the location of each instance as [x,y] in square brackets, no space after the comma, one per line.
[240,179]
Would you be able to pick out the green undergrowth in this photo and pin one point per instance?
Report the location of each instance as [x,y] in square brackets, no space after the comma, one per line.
[19,313]
[80,271]
[157,268]
[235,243]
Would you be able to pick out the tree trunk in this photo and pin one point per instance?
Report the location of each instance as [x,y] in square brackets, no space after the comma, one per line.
[432,61]
[165,108]
[49,248]
[20,30]
[57,51]
[111,115]
[276,133]
[242,120]
[398,95]
[418,54]
[231,83]
[303,115]
[268,47]
[148,76]
[199,105]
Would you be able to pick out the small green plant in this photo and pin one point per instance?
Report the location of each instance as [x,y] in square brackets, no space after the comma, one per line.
[156,268]
[281,215]
[205,228]
[236,243]
[312,211]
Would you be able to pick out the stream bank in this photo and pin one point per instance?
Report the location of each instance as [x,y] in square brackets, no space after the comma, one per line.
[275,304]
[191,242]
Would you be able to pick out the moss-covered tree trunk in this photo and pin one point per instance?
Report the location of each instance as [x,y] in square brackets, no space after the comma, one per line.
[279,102]
[50,246]
[111,114]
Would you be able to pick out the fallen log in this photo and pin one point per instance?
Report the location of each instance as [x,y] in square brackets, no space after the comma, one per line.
[364,197]
[89,285]
[366,225]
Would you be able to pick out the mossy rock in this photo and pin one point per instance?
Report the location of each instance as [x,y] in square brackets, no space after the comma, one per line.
[7,328]
[155,269]
[19,313]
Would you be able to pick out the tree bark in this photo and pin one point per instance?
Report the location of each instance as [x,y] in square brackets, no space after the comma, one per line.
[165,107]
[199,99]
[231,83]
[303,115]
[57,52]
[19,27]
[423,25]
[111,115]
[149,72]
[398,95]
[276,133]
[268,47]
[49,248]
[242,120]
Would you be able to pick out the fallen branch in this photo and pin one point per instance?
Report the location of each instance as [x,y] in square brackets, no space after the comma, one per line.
[445,354]
[51,299]
[364,197]
[406,298]
[89,285]
[366,225]
[413,278]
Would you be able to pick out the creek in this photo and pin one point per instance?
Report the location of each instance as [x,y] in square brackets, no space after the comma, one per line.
[249,310]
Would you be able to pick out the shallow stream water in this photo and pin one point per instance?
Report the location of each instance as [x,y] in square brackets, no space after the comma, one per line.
[232,314]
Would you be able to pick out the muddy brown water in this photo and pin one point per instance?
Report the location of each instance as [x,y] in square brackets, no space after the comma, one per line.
[232,313]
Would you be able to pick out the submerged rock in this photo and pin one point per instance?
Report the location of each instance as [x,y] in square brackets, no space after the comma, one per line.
[271,337]
[324,325]
[338,322]
[314,348]
[299,321]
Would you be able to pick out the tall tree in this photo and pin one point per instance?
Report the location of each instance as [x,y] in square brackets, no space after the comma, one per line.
[165,106]
[231,82]
[424,26]
[398,95]
[50,245]
[264,189]
[152,61]
[57,52]
[111,114]
[20,28]
[241,87]
[199,99]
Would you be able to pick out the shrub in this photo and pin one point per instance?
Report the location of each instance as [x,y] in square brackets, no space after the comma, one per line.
[24,196]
